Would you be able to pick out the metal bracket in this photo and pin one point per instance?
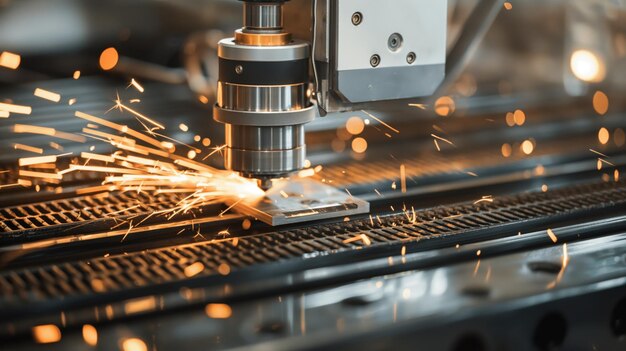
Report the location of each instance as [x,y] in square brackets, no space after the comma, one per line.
[301,200]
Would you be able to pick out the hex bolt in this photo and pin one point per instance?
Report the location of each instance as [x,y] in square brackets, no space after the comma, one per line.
[357,18]
[375,60]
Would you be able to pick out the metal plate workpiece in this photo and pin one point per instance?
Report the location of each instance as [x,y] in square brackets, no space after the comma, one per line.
[300,200]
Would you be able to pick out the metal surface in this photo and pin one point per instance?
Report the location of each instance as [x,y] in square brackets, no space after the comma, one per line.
[262,98]
[302,200]
[389,83]
[264,138]
[262,16]
[267,119]
[395,50]
[296,50]
[269,164]
[150,271]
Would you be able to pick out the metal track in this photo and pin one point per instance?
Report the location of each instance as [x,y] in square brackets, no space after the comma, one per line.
[149,269]
[87,213]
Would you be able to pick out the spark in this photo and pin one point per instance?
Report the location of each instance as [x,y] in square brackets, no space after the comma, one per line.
[598,153]
[103,158]
[28,148]
[382,122]
[137,167]
[487,198]
[119,104]
[10,60]
[442,139]
[361,237]
[403,178]
[552,236]
[27,161]
[136,85]
[420,106]
[119,128]
[194,149]
[477,267]
[437,145]
[216,150]
[95,189]
[47,95]
[44,175]
[130,227]
[19,109]
[349,194]
[99,169]
[25,128]
[76,75]
[601,160]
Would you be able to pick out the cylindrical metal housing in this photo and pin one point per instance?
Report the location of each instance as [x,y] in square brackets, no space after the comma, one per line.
[262,16]
[263,96]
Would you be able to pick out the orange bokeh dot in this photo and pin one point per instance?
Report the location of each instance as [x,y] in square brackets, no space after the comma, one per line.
[359,145]
[108,59]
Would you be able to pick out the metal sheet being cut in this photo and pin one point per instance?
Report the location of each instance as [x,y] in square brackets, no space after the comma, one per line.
[301,200]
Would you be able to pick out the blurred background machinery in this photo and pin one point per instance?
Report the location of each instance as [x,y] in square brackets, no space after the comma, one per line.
[497,208]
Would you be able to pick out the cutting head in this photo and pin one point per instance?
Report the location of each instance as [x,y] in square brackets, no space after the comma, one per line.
[263,95]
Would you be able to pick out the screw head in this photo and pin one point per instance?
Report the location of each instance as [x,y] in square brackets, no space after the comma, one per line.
[410,58]
[375,60]
[357,18]
[395,42]
[239,69]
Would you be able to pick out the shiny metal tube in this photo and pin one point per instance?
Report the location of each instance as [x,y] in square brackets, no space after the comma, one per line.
[264,138]
[261,164]
[262,16]
[262,98]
